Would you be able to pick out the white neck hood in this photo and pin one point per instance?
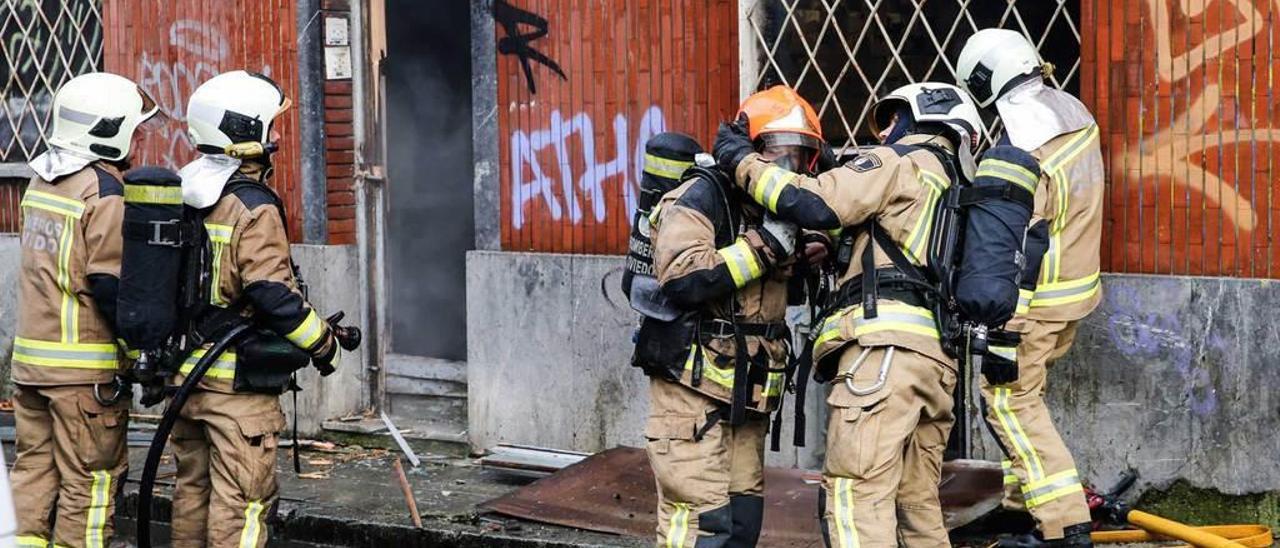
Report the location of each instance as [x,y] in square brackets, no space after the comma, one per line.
[204,177]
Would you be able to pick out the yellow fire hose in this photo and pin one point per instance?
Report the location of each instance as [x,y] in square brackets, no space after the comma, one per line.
[1155,529]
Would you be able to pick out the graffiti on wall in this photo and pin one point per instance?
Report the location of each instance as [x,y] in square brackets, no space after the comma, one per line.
[1144,331]
[572,153]
[1181,140]
[519,44]
[204,49]
[543,171]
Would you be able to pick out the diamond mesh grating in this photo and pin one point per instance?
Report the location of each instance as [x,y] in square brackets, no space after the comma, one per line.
[842,54]
[43,43]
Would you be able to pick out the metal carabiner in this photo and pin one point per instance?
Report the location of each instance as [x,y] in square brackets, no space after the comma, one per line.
[880,381]
[115,398]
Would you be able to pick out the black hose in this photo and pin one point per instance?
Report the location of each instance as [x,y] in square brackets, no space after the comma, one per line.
[145,490]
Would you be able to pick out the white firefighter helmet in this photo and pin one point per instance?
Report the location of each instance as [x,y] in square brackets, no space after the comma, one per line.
[95,114]
[233,108]
[991,59]
[935,102]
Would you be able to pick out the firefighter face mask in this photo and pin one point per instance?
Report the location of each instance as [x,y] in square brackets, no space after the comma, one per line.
[792,152]
[204,177]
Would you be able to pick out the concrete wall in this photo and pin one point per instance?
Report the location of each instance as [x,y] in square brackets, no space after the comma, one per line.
[1172,376]
[330,271]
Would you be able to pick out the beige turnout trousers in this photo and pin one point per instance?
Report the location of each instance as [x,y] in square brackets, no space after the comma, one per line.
[710,490]
[884,451]
[1040,474]
[225,445]
[72,454]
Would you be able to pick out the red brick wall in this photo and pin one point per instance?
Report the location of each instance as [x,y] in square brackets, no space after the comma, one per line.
[571,154]
[1184,94]
[170,48]
[339,157]
[339,146]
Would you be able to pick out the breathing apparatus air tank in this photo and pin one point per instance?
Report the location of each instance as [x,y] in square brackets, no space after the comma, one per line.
[157,230]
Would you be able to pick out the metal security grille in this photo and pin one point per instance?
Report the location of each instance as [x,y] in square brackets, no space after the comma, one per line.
[43,43]
[843,54]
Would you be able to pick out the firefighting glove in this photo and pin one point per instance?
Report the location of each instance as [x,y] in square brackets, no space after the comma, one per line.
[732,145]
[999,370]
[811,238]
[826,159]
[323,362]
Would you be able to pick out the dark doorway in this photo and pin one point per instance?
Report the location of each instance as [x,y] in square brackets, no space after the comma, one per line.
[429,164]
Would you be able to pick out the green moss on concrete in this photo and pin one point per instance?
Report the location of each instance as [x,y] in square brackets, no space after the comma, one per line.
[1195,506]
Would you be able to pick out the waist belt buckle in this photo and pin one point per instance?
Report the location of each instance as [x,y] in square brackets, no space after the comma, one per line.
[158,236]
[723,328]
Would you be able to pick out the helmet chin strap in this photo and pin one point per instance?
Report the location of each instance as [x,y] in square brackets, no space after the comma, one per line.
[904,124]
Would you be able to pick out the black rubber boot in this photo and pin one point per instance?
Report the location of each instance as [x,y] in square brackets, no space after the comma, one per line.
[1076,536]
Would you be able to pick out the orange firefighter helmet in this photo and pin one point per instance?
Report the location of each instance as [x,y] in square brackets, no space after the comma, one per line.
[780,110]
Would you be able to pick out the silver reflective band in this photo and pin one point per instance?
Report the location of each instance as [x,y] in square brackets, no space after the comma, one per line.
[72,115]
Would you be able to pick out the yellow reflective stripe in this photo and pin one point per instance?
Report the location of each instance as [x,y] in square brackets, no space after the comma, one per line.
[219,233]
[1013,430]
[1052,488]
[308,333]
[1069,151]
[1066,292]
[1007,352]
[896,317]
[252,525]
[53,203]
[918,239]
[846,530]
[223,368]
[1010,478]
[150,194]
[773,383]
[219,237]
[1054,166]
[936,181]
[653,215]
[1024,300]
[769,186]
[830,327]
[60,354]
[32,541]
[742,263]
[665,167]
[69,312]
[1051,266]
[215,275]
[678,526]
[1007,171]
[1059,178]
[99,499]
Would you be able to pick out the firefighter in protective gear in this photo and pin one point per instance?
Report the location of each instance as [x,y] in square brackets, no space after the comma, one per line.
[892,382]
[71,407]
[724,261]
[1001,67]
[225,440]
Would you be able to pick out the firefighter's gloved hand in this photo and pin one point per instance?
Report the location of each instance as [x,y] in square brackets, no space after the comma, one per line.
[323,362]
[826,159]
[999,370]
[817,248]
[732,145]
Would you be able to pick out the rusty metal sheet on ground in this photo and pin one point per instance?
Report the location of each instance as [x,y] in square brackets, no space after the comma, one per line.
[614,492]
